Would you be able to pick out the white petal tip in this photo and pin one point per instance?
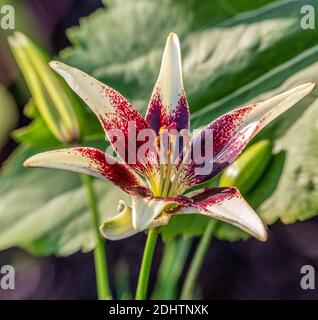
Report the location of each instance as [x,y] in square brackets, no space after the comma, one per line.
[57,66]
[173,37]
[29,163]
[306,87]
[258,229]
[172,42]
[54,63]
[105,234]
[263,235]
[37,161]
[26,164]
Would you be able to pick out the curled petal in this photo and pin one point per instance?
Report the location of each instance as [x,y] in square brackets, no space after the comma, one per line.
[227,204]
[116,115]
[93,162]
[168,104]
[120,226]
[146,210]
[160,221]
[141,216]
[232,131]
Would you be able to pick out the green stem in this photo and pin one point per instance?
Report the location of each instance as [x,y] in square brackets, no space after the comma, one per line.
[142,287]
[102,281]
[196,264]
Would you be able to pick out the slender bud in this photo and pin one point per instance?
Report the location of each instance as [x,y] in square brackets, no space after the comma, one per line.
[248,168]
[52,97]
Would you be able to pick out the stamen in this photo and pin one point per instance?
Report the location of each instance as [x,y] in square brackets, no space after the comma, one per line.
[161,165]
[187,147]
[168,168]
[153,185]
[167,148]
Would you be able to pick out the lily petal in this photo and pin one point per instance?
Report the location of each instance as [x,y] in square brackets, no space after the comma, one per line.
[120,226]
[146,210]
[227,204]
[111,108]
[93,162]
[232,131]
[168,104]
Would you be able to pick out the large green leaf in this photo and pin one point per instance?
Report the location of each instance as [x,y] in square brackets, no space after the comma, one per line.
[217,60]
[146,25]
[210,12]
[296,195]
[45,211]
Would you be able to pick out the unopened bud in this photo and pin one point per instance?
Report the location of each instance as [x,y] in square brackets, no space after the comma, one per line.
[52,97]
[248,168]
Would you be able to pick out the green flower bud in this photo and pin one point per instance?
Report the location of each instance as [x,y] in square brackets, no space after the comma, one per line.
[248,168]
[52,97]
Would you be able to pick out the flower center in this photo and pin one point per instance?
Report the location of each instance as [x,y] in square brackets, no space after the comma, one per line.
[173,151]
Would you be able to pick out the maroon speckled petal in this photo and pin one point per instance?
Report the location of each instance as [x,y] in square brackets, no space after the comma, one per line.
[93,162]
[114,112]
[168,104]
[233,131]
[227,204]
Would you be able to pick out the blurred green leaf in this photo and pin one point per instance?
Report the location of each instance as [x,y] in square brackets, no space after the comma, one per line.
[123,291]
[217,60]
[146,26]
[210,12]
[174,257]
[46,212]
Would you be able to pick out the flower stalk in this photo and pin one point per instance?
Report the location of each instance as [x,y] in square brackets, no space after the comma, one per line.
[142,286]
[196,264]
[102,281]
